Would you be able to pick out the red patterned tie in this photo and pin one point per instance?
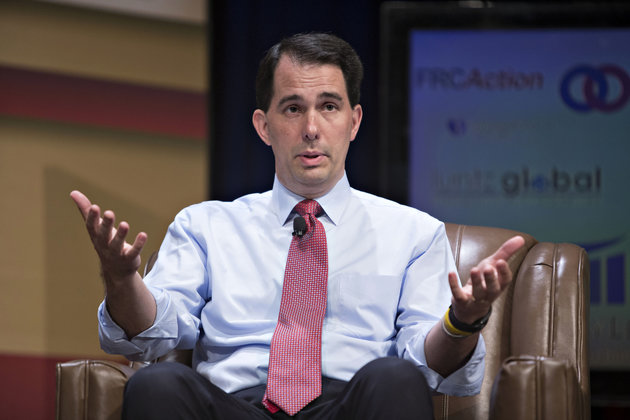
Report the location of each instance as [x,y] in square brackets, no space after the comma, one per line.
[295,374]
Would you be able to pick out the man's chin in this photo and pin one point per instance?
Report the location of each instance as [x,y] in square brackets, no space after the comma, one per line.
[312,185]
[314,175]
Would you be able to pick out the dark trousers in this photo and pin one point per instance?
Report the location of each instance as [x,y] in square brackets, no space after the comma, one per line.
[387,388]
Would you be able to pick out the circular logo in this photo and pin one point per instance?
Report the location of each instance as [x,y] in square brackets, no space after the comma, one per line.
[596,91]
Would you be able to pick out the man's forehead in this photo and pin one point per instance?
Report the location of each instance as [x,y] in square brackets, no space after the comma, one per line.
[292,77]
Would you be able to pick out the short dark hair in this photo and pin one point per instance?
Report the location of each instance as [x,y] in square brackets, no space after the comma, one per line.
[310,48]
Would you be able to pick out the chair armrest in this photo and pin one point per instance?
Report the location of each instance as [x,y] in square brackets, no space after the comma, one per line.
[91,389]
[529,387]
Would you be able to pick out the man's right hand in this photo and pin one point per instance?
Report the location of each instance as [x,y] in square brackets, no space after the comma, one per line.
[119,259]
[129,302]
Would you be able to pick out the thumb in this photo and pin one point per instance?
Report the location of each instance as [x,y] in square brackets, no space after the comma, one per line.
[508,248]
[82,202]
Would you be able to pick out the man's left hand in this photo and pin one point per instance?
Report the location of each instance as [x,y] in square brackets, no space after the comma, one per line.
[487,280]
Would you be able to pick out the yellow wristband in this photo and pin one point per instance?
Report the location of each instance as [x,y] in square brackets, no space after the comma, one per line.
[450,329]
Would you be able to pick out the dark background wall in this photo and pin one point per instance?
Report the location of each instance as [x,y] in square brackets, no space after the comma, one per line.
[240,33]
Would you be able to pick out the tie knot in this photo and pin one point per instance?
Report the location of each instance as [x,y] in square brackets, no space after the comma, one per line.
[308,207]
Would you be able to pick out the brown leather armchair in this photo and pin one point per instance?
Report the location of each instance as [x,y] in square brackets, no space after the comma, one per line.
[536,340]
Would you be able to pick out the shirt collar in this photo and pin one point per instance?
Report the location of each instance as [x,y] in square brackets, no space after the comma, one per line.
[333,202]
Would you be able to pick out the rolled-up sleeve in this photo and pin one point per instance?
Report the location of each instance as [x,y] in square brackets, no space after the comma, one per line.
[153,342]
[465,381]
[424,299]
[178,283]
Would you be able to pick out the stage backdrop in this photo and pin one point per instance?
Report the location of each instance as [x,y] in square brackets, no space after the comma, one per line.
[529,130]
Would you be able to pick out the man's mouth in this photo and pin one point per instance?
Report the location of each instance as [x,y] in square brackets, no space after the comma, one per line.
[311,158]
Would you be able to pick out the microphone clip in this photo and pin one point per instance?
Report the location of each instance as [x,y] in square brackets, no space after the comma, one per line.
[299,226]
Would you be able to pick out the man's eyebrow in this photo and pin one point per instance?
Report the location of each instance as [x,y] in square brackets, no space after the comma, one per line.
[331,95]
[323,95]
[289,98]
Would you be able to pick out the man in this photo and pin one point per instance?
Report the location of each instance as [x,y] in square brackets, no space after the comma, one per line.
[372,279]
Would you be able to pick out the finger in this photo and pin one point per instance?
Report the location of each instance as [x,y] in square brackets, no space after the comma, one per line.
[508,248]
[138,245]
[478,284]
[82,203]
[504,273]
[93,221]
[493,286]
[456,290]
[105,231]
[118,241]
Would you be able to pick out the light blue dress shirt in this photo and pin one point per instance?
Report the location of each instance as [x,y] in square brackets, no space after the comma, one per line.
[218,282]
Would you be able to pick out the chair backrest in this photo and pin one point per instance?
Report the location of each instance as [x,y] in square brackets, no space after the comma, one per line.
[544,312]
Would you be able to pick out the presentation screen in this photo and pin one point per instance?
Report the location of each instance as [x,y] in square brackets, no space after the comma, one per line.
[526,126]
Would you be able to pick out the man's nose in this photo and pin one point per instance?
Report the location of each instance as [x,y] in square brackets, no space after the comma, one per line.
[311,128]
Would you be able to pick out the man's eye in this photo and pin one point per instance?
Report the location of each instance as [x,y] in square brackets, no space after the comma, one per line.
[330,107]
[292,109]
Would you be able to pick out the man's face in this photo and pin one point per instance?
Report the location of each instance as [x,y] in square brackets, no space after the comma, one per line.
[309,125]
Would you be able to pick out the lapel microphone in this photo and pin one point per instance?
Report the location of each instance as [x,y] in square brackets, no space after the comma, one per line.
[299,226]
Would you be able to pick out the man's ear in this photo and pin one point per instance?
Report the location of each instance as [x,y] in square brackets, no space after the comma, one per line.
[259,119]
[357,116]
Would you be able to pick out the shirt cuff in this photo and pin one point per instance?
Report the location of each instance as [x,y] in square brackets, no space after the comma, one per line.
[114,340]
[465,381]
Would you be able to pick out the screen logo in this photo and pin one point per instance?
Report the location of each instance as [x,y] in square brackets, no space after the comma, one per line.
[586,88]
[461,79]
